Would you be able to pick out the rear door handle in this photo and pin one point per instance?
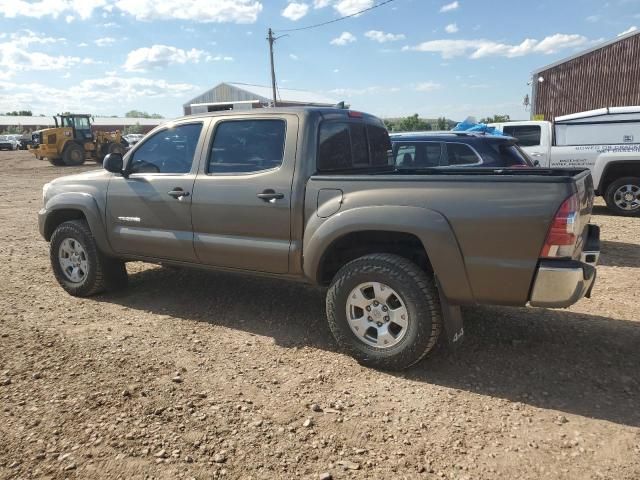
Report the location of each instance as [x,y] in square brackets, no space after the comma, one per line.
[178,193]
[270,195]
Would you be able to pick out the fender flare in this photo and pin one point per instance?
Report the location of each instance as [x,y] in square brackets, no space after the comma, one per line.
[429,226]
[81,202]
[607,161]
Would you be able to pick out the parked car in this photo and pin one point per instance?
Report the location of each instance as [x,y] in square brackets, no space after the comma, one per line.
[456,149]
[8,142]
[606,141]
[311,194]
[133,138]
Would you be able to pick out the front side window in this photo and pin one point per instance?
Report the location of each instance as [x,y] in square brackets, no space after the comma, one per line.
[247,146]
[527,135]
[461,154]
[168,151]
[405,156]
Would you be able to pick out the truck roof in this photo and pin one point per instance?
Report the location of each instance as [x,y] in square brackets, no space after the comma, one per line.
[601,112]
[326,112]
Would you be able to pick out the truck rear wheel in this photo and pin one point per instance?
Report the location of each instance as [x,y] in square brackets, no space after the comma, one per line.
[384,311]
[73,155]
[623,196]
[79,267]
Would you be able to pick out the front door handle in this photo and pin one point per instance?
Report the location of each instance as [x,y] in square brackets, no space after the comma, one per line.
[178,193]
[270,196]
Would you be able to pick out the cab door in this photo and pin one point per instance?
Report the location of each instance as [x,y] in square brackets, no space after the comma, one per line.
[149,212]
[242,196]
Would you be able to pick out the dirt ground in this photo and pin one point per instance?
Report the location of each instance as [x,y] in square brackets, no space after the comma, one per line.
[197,375]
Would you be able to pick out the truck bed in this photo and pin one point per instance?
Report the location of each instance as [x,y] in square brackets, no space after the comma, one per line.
[499,218]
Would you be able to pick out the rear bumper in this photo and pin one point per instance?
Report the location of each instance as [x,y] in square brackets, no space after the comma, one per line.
[561,283]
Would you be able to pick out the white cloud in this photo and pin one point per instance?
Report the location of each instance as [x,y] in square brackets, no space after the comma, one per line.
[293,56]
[450,6]
[343,39]
[593,18]
[382,37]
[486,48]
[427,86]
[104,41]
[321,3]
[352,92]
[158,56]
[349,7]
[451,28]
[628,30]
[236,11]
[295,11]
[17,56]
[83,44]
[54,8]
[218,58]
[99,95]
[69,18]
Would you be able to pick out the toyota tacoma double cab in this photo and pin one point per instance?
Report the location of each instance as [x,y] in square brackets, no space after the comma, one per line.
[311,194]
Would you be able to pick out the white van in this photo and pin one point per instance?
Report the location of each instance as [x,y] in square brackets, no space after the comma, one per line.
[607,141]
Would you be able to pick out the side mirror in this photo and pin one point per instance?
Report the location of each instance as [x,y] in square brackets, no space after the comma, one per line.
[536,163]
[113,162]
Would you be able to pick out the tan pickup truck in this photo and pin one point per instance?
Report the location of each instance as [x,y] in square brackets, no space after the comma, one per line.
[311,194]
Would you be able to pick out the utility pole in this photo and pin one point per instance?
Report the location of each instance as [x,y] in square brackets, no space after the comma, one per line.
[271,40]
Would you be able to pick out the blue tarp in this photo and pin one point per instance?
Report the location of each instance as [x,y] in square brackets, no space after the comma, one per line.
[469,126]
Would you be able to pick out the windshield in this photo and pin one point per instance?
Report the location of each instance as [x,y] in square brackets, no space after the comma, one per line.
[4,137]
[81,123]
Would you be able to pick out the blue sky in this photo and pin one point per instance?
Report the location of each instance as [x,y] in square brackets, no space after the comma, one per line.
[452,58]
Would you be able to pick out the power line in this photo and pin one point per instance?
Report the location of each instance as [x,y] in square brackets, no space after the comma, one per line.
[337,19]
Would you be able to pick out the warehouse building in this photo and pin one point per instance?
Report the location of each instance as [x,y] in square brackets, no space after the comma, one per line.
[103,124]
[242,96]
[607,75]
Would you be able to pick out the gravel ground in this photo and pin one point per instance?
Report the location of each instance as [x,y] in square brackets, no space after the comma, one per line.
[200,375]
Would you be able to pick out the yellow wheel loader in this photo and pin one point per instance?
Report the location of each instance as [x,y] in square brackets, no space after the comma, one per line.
[71,142]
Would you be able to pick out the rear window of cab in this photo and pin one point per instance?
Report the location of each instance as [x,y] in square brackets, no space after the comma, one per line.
[345,145]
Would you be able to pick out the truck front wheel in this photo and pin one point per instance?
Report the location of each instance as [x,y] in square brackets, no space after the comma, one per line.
[623,196]
[384,311]
[79,267]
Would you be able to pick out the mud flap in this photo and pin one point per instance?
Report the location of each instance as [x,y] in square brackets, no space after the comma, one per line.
[452,320]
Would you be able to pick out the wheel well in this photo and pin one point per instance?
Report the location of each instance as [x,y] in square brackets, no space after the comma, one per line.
[57,217]
[356,244]
[618,170]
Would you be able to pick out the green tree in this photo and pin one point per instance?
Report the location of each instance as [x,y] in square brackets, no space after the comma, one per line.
[137,128]
[20,113]
[442,124]
[496,119]
[139,114]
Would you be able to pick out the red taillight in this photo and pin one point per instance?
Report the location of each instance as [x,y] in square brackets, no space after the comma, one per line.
[563,232]
[354,114]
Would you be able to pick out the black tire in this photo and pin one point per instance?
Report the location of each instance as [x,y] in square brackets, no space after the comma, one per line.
[58,162]
[613,202]
[103,273]
[73,155]
[419,294]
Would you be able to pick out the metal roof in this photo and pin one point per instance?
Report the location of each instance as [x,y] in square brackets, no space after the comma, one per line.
[233,92]
[584,52]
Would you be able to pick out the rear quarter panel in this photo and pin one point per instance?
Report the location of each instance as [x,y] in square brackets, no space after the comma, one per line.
[498,224]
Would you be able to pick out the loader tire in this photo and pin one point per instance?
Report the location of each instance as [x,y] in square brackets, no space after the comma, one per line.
[73,155]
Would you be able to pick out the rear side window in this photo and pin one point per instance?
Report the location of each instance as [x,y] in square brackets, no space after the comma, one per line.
[247,146]
[418,155]
[511,155]
[527,135]
[379,145]
[348,145]
[461,154]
